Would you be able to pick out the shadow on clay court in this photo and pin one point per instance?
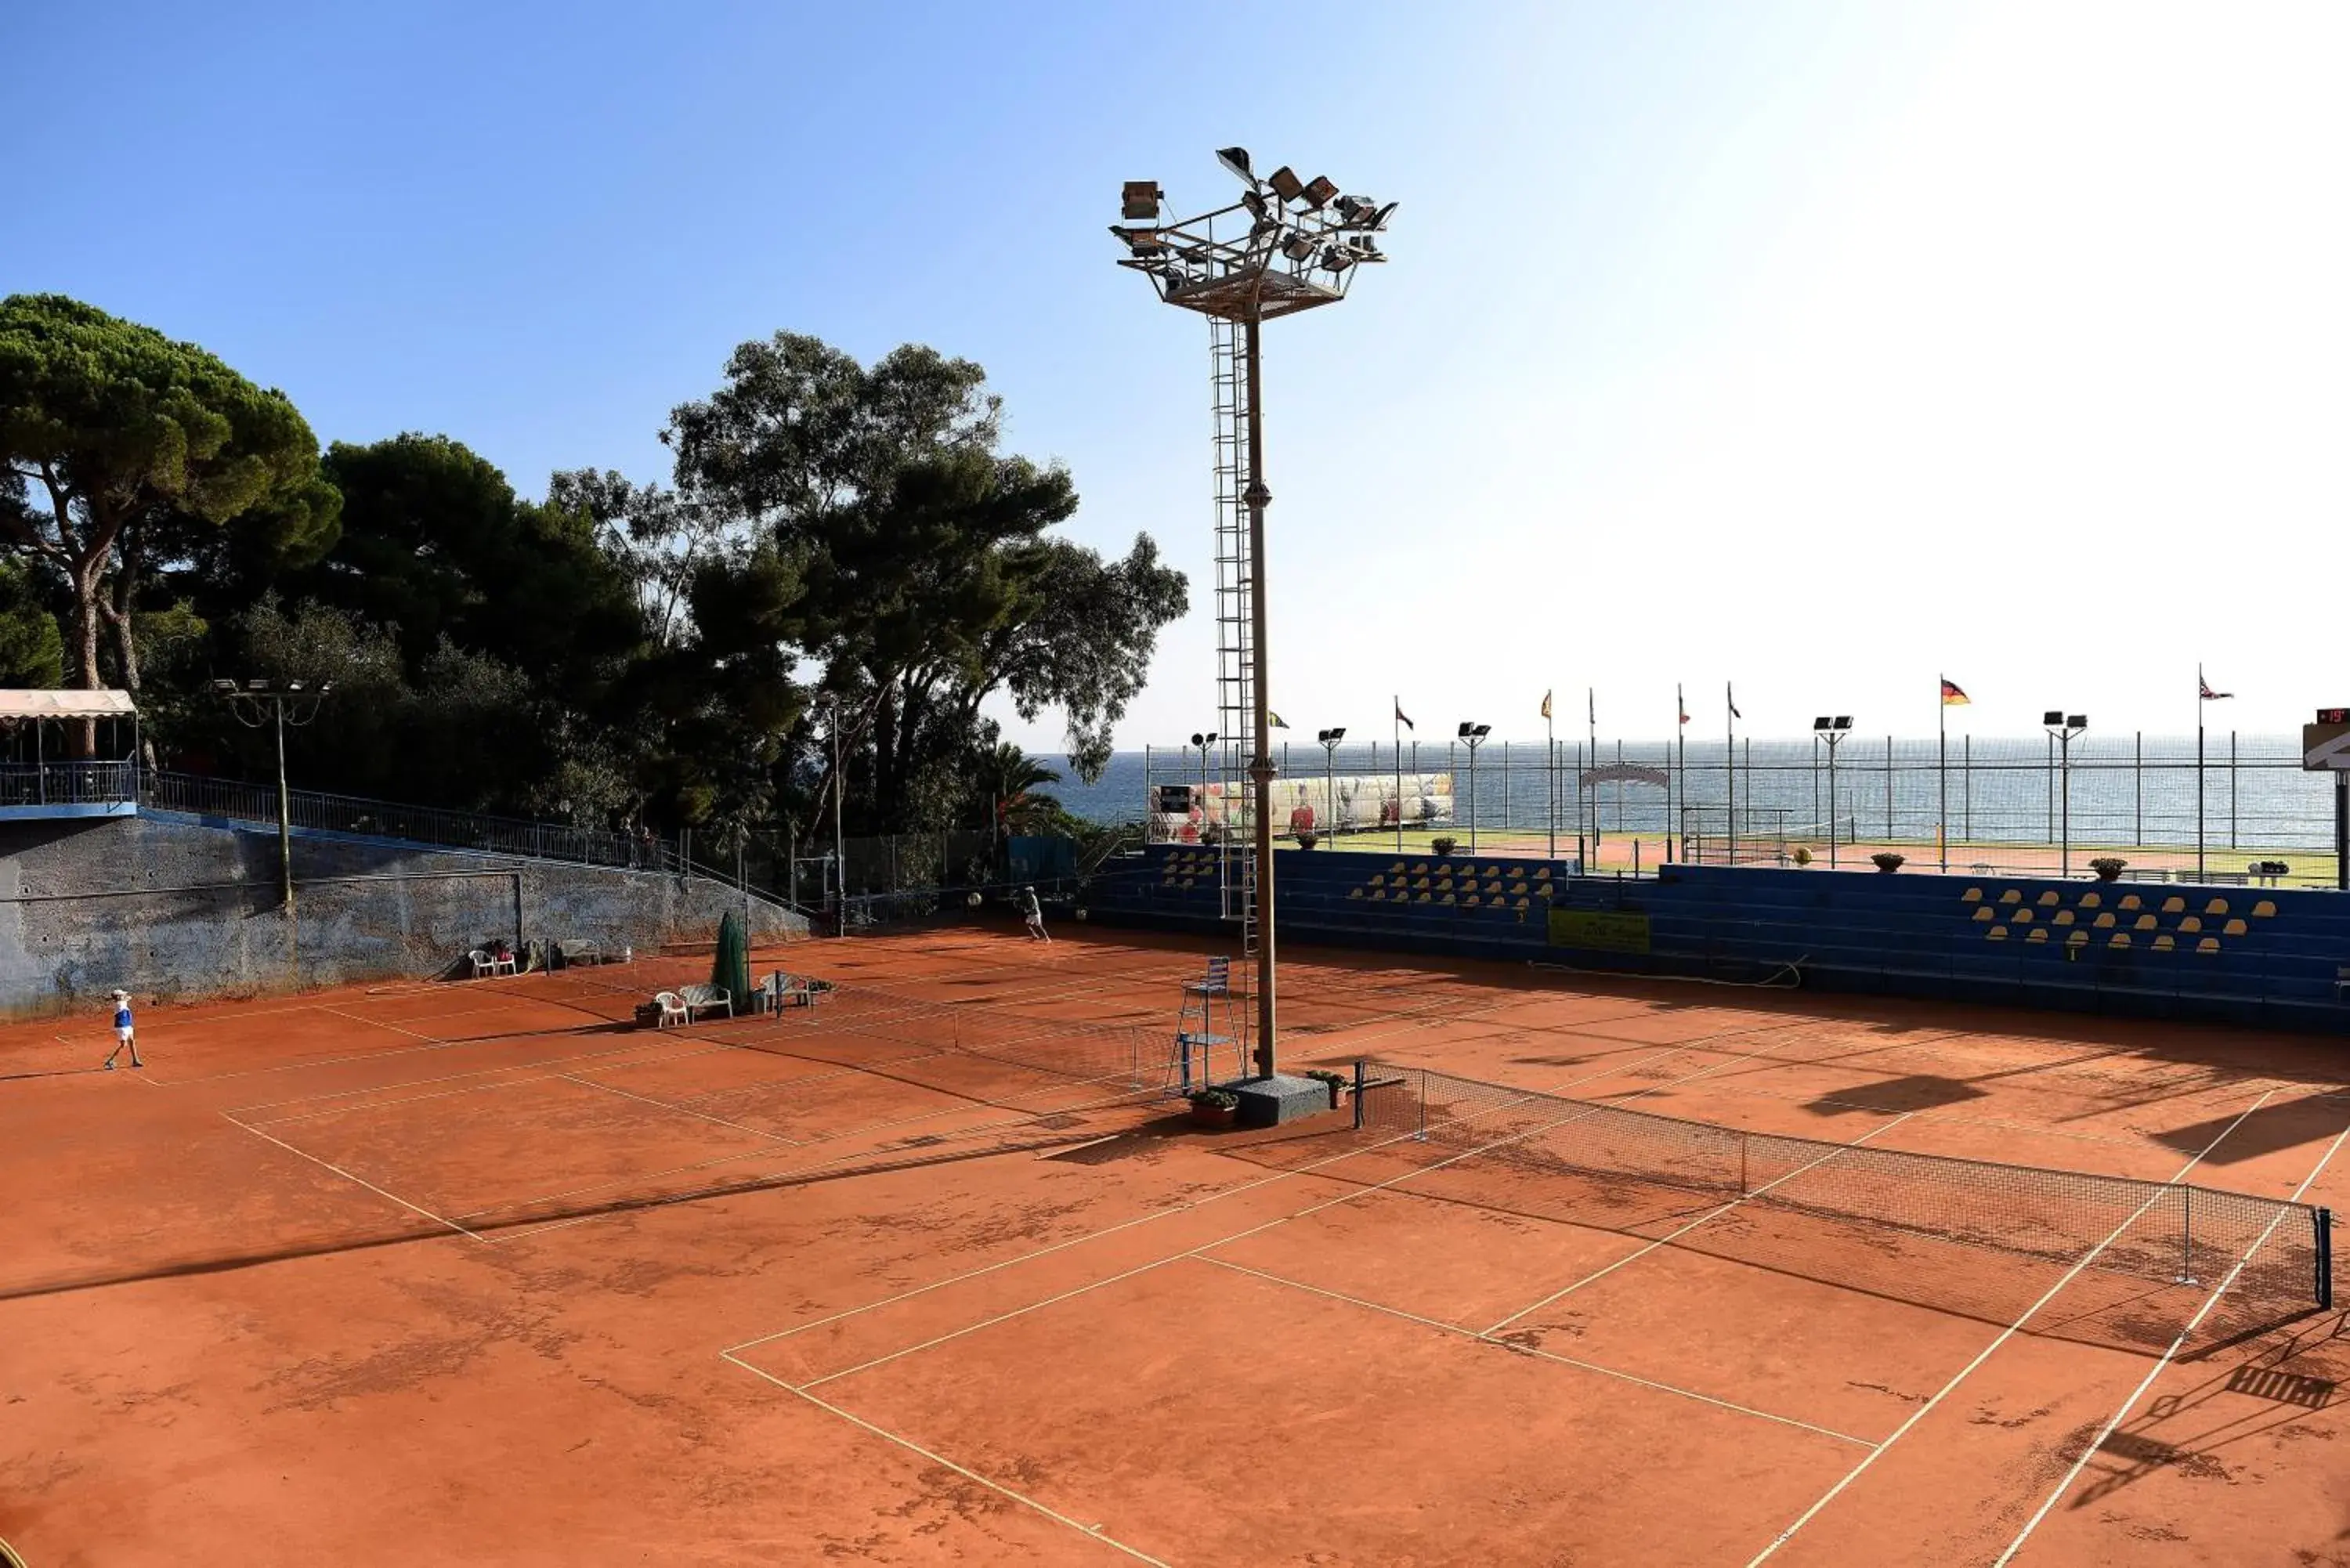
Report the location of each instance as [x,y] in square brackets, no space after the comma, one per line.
[2270,1129]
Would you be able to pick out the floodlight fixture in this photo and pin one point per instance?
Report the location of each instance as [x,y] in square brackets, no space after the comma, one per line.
[1236,159]
[1286,184]
[1298,247]
[257,685]
[1331,737]
[223,685]
[2076,721]
[1844,721]
[1822,725]
[1318,191]
[1141,199]
[2053,717]
[1337,258]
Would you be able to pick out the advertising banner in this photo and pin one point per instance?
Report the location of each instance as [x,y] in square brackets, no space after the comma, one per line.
[1351,802]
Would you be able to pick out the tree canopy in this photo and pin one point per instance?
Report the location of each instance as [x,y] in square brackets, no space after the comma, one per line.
[835,538]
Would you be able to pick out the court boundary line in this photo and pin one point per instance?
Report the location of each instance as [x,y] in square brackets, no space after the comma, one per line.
[1676,1234]
[360,1181]
[1244,1186]
[2121,1413]
[1349,1196]
[1091,1532]
[2009,1332]
[1537,1353]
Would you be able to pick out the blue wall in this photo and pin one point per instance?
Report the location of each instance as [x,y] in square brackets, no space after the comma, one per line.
[2251,956]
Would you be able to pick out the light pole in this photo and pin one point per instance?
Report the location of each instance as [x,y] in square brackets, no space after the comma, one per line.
[1330,739]
[1286,246]
[257,703]
[1473,736]
[1833,731]
[1203,742]
[2062,728]
[839,844]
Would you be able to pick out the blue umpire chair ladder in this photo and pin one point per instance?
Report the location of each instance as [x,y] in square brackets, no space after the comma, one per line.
[1197,1033]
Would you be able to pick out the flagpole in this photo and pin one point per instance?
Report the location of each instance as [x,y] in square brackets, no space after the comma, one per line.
[1591,730]
[1550,768]
[2198,772]
[1730,768]
[1681,760]
[1942,765]
[1395,723]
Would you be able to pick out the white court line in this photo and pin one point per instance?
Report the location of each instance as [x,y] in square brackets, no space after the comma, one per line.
[680,1110]
[1585,1112]
[1089,1532]
[1474,1336]
[2009,1332]
[1715,1213]
[2155,1371]
[359,1101]
[361,1181]
[1095,1235]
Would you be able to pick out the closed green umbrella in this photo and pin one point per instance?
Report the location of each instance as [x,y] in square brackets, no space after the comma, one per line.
[730,968]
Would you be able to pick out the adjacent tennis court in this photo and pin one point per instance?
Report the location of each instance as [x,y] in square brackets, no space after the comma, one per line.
[1580,1271]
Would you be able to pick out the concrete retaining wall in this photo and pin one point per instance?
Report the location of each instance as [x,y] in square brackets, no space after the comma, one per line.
[170,905]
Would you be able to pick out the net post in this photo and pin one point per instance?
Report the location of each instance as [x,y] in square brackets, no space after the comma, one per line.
[2321,1224]
[1742,1142]
[2186,1235]
[1359,1094]
[1422,1136]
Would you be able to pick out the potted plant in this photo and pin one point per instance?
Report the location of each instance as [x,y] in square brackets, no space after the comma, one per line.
[1308,840]
[2108,867]
[1444,844]
[1335,1081]
[1214,1108]
[1887,861]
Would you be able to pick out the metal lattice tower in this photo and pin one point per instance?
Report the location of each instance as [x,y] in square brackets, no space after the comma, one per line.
[1235,639]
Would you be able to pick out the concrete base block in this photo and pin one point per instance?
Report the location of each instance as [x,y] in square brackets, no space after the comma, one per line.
[1269,1102]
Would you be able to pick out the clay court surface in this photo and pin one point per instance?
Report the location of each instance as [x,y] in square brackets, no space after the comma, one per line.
[479,1273]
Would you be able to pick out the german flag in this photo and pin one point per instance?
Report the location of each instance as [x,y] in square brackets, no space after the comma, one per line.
[1952,696]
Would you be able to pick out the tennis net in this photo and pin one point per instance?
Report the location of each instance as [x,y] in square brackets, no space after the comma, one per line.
[2171,1233]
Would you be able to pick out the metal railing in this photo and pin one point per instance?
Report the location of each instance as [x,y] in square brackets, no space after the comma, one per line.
[432,826]
[69,784]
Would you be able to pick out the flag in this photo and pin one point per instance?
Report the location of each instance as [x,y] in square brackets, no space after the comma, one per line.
[2203,687]
[1545,705]
[1591,696]
[1680,704]
[1731,699]
[1275,720]
[1403,718]
[1952,696]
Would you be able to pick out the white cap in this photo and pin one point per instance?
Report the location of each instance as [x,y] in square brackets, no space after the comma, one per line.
[121,996]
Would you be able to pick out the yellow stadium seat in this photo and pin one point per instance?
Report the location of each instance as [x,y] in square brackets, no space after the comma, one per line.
[2235,927]
[2064,917]
[1396,867]
[2037,934]
[1971,896]
[2118,940]
[1419,898]
[2189,923]
[2208,945]
[1492,870]
[2022,917]
[2264,910]
[2130,901]
[2091,902]
[1996,934]
[1518,885]
[1470,902]
[2146,923]
[2106,921]
[1985,914]
[1448,898]
[1523,903]
[2079,939]
[1542,873]
[2163,944]
[2011,897]
[2052,896]
[1354,892]
[2216,907]
[2174,905]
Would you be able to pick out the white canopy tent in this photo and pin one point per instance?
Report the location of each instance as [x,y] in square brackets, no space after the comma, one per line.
[37,704]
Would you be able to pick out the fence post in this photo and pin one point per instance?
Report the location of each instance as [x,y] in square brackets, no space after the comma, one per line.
[1359,1094]
[2139,770]
[1889,786]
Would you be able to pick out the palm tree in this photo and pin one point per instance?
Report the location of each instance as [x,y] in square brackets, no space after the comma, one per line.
[1009,777]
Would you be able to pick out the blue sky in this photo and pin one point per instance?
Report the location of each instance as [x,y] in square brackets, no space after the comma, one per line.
[1825,347]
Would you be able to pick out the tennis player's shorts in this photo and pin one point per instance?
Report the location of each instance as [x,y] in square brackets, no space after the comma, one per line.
[123,1034]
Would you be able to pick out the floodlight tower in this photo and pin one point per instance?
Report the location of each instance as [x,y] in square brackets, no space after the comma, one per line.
[1286,246]
[276,703]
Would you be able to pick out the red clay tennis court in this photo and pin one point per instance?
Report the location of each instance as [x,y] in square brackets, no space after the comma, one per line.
[931,1273]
